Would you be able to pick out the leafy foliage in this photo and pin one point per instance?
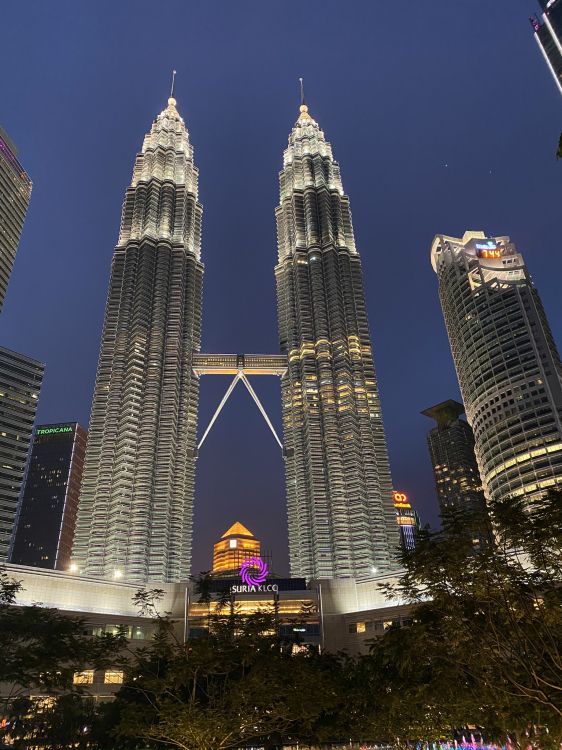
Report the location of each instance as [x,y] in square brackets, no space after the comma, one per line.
[240,684]
[486,644]
[42,649]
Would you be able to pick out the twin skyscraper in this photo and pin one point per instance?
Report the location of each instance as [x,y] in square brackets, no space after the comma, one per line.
[135,517]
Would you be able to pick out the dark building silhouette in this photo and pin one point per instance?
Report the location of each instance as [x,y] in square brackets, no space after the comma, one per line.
[47,514]
[548,35]
[451,448]
[15,192]
[20,383]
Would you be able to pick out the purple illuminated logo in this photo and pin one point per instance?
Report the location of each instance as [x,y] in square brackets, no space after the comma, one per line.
[253,571]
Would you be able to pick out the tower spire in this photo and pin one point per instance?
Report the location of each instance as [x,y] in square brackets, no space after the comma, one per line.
[172,98]
[303,108]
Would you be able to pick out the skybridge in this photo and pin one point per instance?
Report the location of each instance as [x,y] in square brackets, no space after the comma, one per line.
[239,365]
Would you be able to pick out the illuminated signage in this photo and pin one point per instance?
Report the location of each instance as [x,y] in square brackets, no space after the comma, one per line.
[252,589]
[54,430]
[488,250]
[401,500]
[253,571]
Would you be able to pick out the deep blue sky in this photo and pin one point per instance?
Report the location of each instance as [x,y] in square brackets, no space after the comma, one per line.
[442,115]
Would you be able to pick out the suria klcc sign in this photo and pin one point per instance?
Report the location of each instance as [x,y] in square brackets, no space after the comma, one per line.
[254,572]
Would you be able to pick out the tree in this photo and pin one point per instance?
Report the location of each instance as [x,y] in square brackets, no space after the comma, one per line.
[42,649]
[239,684]
[485,647]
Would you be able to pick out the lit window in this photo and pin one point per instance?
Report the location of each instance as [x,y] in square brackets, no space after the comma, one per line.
[233,543]
[84,678]
[360,627]
[113,677]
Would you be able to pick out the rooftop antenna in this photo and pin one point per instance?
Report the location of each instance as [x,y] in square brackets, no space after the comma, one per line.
[173,89]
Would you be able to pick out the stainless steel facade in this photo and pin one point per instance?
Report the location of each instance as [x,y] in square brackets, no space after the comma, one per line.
[136,506]
[20,383]
[15,192]
[507,363]
[342,521]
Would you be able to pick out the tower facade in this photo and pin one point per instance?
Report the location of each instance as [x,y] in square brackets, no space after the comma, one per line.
[15,192]
[342,521]
[47,513]
[136,505]
[548,35]
[455,469]
[506,360]
[20,383]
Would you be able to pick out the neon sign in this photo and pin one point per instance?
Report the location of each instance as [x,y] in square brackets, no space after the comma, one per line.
[54,430]
[401,500]
[253,571]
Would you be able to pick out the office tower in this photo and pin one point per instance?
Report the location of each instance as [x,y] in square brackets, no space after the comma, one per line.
[408,521]
[47,513]
[507,364]
[455,469]
[548,35]
[20,383]
[342,521]
[234,546]
[15,192]
[136,505]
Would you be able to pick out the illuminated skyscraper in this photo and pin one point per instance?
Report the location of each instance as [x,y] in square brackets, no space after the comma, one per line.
[408,521]
[47,513]
[548,35]
[234,546]
[342,521]
[15,192]
[136,506]
[507,363]
[20,383]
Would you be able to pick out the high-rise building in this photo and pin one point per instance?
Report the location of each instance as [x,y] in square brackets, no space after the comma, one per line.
[408,521]
[20,383]
[455,469]
[47,512]
[235,545]
[548,35]
[342,521]
[136,505]
[507,363]
[15,192]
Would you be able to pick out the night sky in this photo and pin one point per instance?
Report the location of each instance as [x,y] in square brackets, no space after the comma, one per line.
[442,114]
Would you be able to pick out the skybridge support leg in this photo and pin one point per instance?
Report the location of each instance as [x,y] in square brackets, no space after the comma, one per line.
[225,398]
[260,407]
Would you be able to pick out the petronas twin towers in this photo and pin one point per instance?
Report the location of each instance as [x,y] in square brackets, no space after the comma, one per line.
[135,518]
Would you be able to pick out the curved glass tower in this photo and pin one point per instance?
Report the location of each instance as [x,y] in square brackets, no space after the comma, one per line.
[136,506]
[507,363]
[342,521]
